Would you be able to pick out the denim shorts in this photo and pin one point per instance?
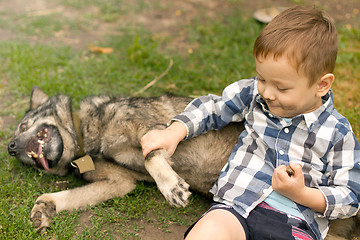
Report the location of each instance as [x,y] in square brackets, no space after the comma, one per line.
[265,222]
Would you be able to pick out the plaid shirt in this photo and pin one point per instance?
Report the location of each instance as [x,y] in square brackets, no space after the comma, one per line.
[322,140]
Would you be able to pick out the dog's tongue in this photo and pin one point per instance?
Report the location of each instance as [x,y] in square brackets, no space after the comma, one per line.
[42,159]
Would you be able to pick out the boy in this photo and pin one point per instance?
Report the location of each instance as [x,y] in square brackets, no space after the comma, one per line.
[290,120]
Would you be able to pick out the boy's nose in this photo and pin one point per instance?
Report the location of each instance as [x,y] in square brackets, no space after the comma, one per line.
[268,94]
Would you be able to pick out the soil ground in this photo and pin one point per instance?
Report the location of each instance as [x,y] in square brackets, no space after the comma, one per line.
[160,22]
[164,22]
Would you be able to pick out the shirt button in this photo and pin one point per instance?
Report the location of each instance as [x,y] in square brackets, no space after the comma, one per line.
[270,115]
[281,152]
[265,191]
[286,130]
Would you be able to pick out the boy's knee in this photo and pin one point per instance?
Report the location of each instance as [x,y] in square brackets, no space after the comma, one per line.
[217,224]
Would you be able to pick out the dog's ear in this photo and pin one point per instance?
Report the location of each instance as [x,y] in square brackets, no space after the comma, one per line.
[37,97]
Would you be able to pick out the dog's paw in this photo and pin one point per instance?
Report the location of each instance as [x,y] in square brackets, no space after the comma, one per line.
[171,185]
[177,194]
[41,215]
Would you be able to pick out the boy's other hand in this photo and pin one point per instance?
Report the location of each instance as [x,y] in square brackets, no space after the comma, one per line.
[287,184]
[293,187]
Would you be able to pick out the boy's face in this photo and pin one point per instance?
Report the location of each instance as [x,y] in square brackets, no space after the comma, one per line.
[286,93]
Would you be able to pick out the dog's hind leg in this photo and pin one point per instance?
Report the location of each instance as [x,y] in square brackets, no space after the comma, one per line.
[171,185]
[341,229]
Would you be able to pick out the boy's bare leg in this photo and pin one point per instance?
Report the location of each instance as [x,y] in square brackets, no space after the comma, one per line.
[217,224]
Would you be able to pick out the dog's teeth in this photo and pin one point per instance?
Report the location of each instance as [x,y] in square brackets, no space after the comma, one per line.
[41,142]
[29,155]
[41,155]
[33,154]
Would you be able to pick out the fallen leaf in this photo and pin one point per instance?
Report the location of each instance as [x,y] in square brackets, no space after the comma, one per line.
[172,86]
[101,50]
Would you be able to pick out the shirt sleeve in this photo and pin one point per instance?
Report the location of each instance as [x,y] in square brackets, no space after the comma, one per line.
[215,112]
[343,191]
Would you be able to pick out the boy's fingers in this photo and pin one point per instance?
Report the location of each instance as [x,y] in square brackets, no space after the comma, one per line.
[144,151]
[280,173]
[146,144]
[147,149]
[143,138]
[280,168]
[296,166]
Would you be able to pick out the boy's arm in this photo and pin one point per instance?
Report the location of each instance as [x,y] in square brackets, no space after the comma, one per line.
[341,195]
[213,112]
[203,114]
[167,139]
[342,192]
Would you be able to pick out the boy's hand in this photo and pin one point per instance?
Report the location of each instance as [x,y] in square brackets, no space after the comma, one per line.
[291,184]
[289,181]
[157,139]
[167,139]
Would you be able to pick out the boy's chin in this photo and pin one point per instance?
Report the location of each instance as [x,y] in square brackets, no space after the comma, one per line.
[282,113]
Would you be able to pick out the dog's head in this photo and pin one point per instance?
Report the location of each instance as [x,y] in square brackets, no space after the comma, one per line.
[45,137]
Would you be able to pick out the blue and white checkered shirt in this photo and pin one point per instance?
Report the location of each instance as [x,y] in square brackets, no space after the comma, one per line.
[322,140]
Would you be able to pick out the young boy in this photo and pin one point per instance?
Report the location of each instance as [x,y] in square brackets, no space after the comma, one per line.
[290,121]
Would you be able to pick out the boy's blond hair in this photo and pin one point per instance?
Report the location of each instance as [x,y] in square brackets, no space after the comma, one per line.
[307,36]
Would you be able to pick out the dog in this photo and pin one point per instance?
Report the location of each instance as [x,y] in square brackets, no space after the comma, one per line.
[107,130]
[101,144]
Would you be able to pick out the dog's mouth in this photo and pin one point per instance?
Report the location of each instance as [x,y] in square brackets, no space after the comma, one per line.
[35,148]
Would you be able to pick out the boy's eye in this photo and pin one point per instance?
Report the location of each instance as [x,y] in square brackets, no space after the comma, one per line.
[23,127]
[282,89]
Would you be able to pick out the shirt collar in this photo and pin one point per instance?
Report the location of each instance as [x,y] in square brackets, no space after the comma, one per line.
[312,119]
[319,116]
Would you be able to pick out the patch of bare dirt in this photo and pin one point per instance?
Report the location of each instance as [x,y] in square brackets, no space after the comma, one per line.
[146,231]
[166,22]
[173,232]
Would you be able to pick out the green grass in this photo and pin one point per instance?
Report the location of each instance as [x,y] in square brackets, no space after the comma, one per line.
[220,54]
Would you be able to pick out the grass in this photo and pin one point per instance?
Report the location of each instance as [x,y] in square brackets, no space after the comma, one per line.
[214,58]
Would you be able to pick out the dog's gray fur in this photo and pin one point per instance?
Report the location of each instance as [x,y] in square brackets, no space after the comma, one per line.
[111,130]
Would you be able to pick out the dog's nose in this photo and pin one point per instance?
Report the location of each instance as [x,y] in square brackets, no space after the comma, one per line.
[12,148]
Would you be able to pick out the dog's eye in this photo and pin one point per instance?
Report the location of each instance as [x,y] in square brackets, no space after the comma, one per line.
[23,127]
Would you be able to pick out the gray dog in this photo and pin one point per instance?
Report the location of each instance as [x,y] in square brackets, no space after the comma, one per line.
[102,143]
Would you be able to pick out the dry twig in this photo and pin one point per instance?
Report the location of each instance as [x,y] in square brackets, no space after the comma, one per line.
[156,78]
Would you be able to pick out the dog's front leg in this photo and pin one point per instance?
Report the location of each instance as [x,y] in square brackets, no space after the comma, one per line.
[48,205]
[171,185]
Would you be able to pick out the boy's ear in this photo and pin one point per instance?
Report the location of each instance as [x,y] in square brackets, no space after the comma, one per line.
[324,84]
